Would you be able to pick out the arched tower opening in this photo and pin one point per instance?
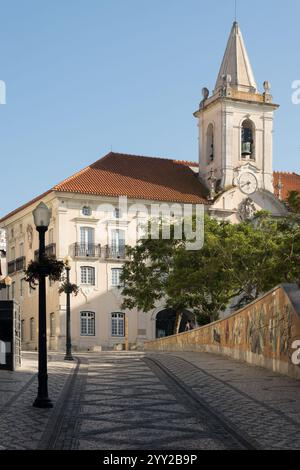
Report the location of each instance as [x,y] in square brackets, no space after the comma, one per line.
[248,140]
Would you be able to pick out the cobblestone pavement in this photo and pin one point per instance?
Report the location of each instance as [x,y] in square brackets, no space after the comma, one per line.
[263,406]
[21,425]
[181,401]
[153,401]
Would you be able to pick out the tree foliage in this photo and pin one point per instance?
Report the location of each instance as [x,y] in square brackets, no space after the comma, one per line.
[293,201]
[238,262]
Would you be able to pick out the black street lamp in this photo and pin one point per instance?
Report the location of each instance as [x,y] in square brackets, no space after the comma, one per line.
[42,215]
[68,356]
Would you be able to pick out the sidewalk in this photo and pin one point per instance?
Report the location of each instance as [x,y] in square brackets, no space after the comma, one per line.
[129,401]
[21,425]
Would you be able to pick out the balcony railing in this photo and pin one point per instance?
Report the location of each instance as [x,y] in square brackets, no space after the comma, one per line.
[16,265]
[20,263]
[86,250]
[112,252]
[50,251]
[89,250]
[11,267]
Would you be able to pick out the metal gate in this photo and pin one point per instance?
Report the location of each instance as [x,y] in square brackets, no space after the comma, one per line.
[10,335]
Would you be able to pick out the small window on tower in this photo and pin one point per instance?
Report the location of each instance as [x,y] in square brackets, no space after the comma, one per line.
[210,144]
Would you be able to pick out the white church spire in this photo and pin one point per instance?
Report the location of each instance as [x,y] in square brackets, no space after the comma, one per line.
[236,64]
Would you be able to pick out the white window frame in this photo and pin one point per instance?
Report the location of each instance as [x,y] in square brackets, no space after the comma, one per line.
[87,323]
[115,277]
[118,325]
[87,275]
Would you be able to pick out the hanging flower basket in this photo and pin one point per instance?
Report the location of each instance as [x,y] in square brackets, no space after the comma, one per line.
[69,288]
[49,267]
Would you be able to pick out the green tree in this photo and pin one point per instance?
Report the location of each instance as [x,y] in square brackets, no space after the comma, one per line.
[294,201]
[238,262]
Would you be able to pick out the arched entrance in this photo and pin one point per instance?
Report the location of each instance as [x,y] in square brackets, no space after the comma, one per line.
[166,322]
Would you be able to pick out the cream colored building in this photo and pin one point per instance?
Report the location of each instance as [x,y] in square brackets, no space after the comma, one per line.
[234,179]
[93,229]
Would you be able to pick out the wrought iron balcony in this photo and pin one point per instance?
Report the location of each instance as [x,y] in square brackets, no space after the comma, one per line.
[86,250]
[11,267]
[50,251]
[16,265]
[112,252]
[20,263]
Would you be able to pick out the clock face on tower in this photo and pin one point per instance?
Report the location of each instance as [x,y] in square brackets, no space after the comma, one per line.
[248,183]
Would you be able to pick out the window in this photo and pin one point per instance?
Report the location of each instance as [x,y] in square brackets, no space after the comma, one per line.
[87,324]
[210,143]
[32,332]
[22,330]
[12,253]
[21,250]
[87,238]
[87,275]
[13,290]
[248,133]
[87,211]
[118,243]
[115,277]
[50,236]
[117,213]
[52,325]
[118,324]
[22,284]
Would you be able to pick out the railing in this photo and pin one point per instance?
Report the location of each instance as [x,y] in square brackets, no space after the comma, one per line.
[86,250]
[20,263]
[50,251]
[112,252]
[16,265]
[89,250]
[11,267]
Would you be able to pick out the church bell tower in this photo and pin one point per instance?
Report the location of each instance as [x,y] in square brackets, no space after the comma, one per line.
[236,125]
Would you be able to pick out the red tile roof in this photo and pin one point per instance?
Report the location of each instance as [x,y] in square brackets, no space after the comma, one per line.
[137,177]
[290,182]
[140,177]
[154,179]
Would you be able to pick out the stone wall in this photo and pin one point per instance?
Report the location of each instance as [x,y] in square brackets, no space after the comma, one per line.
[263,333]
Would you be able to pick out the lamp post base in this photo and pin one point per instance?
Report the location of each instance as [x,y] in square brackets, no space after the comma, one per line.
[69,357]
[42,403]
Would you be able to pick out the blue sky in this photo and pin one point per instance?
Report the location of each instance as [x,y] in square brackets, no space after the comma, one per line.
[85,76]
